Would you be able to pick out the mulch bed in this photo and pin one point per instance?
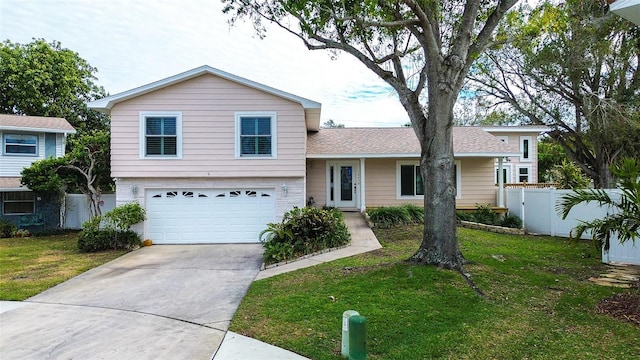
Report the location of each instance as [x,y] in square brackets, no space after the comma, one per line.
[623,306]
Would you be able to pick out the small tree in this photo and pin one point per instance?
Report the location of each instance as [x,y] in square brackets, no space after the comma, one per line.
[86,168]
[625,222]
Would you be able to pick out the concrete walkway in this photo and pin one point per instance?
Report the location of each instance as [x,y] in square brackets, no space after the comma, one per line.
[236,346]
[161,302]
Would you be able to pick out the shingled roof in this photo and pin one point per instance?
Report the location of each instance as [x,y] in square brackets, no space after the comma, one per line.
[35,123]
[400,142]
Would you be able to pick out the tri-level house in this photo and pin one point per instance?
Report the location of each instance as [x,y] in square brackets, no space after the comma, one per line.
[26,139]
[214,157]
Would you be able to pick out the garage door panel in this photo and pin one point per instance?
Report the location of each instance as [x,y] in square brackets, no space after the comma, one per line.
[208,215]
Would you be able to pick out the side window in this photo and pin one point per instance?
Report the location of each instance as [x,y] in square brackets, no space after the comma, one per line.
[525,148]
[256,135]
[160,135]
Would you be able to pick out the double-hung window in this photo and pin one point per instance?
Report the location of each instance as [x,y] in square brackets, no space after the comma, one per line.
[161,135]
[18,202]
[20,144]
[256,135]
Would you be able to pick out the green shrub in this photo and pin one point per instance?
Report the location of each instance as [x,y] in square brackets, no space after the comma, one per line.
[304,231]
[485,215]
[416,213]
[387,216]
[108,239]
[7,228]
[112,231]
[511,221]
[465,216]
[123,217]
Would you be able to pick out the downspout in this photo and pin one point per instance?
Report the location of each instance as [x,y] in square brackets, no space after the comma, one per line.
[363,205]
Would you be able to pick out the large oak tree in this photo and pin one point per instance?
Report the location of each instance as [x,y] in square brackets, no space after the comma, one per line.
[45,79]
[421,48]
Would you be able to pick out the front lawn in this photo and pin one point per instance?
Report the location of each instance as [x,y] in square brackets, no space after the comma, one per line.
[31,265]
[539,304]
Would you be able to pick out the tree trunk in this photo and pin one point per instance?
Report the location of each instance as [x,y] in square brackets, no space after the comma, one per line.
[439,241]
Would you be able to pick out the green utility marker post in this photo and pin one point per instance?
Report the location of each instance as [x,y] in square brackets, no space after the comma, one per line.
[357,338]
[345,331]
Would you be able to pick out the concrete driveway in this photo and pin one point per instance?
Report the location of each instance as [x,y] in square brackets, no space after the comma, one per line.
[159,302]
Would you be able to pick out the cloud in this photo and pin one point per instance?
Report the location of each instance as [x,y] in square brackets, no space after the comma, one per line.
[133,43]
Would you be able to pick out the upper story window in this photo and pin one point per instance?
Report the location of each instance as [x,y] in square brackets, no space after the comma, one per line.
[161,135]
[525,148]
[256,135]
[20,144]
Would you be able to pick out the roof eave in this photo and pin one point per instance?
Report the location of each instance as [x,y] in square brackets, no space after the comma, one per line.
[107,103]
[34,129]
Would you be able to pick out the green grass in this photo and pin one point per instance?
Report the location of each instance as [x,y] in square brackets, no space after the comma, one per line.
[539,304]
[31,265]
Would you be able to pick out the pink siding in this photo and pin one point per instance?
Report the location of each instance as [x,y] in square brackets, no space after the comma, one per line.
[317,181]
[381,186]
[208,105]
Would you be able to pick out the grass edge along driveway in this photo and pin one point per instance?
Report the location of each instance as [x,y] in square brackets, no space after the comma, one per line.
[31,265]
[539,303]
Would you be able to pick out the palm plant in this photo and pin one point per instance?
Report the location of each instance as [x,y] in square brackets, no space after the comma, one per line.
[624,221]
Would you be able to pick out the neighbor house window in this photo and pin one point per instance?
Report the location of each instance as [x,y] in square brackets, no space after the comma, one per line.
[256,135]
[525,148]
[161,135]
[524,174]
[409,179]
[20,144]
[18,202]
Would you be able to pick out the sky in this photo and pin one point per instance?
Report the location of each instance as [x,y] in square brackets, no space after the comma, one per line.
[133,43]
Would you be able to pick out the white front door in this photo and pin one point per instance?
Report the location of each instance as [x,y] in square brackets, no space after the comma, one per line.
[342,184]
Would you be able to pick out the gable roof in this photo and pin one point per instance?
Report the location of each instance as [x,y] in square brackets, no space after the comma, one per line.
[400,142]
[35,124]
[311,108]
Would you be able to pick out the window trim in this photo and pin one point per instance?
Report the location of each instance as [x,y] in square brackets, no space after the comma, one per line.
[529,158]
[528,167]
[36,146]
[508,169]
[143,134]
[399,196]
[4,201]
[274,133]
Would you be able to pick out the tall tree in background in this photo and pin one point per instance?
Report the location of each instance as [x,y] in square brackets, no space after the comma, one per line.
[44,79]
[423,49]
[572,66]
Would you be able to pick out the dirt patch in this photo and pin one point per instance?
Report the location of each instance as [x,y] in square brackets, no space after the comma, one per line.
[624,307]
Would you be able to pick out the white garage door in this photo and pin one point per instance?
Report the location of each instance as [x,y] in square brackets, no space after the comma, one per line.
[190,216]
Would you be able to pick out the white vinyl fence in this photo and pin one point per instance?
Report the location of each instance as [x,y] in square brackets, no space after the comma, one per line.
[77,209]
[537,209]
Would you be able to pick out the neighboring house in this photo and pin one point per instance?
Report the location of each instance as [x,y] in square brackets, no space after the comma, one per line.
[26,139]
[522,168]
[214,157]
